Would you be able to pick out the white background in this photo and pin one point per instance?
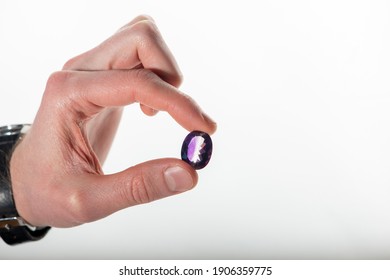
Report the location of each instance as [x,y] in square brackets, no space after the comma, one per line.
[300,91]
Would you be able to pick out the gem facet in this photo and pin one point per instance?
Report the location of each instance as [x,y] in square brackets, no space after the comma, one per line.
[197,149]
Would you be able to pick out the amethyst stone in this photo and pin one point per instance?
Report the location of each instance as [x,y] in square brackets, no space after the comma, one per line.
[197,148]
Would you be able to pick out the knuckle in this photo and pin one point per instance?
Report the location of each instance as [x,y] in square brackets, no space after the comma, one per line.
[144,81]
[145,33]
[56,79]
[142,76]
[70,64]
[78,207]
[57,83]
[136,20]
[139,191]
[63,92]
[143,17]
[145,28]
[148,37]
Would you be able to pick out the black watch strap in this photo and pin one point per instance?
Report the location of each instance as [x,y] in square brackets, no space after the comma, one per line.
[21,234]
[13,228]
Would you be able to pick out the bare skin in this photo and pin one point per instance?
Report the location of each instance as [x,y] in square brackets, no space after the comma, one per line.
[56,170]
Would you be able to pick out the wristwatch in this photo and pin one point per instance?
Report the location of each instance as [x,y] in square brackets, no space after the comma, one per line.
[13,229]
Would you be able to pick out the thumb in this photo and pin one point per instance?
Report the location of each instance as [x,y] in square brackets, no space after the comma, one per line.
[143,183]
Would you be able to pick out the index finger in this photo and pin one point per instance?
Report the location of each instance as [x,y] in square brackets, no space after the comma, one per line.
[120,88]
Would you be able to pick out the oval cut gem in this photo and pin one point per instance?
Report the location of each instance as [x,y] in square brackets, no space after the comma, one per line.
[197,149]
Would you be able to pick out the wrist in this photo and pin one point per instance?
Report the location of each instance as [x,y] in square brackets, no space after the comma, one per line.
[13,228]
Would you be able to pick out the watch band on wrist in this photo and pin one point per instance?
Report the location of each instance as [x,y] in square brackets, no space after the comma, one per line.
[13,229]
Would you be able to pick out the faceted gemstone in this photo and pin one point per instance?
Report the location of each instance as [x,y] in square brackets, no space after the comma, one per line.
[197,148]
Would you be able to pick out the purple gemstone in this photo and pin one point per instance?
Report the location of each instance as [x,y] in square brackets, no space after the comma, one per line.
[197,148]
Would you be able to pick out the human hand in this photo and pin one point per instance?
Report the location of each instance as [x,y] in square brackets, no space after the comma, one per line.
[56,171]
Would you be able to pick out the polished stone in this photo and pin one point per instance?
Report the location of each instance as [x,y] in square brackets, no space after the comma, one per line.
[197,149]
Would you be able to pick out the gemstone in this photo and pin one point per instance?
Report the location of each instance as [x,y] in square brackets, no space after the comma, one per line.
[197,149]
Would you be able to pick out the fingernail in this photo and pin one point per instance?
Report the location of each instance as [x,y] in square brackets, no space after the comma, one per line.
[178,179]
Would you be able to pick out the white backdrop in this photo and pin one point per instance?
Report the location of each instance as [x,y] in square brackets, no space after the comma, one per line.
[301,93]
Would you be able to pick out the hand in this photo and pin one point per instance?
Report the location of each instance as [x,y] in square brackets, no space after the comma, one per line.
[56,171]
